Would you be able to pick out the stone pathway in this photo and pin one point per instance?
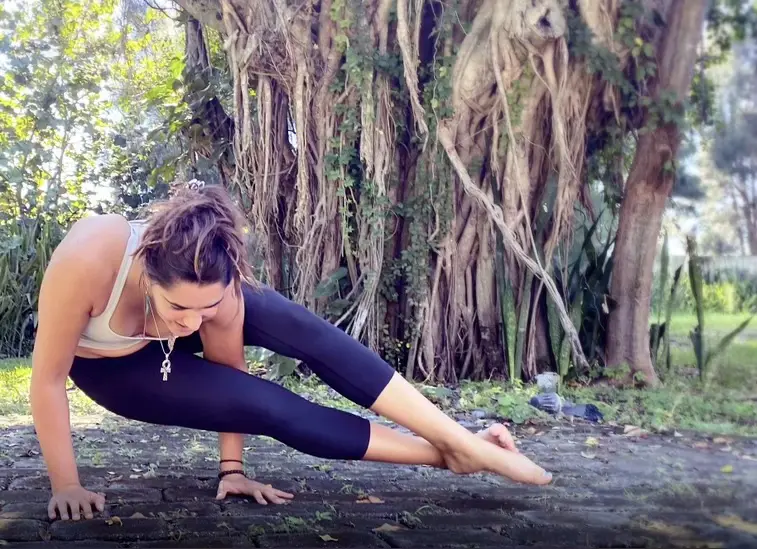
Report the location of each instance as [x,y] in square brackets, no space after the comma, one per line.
[610,490]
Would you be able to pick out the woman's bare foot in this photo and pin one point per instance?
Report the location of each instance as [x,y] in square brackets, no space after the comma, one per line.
[493,450]
[499,435]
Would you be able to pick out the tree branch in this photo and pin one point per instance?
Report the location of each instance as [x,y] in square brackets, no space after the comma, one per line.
[207,12]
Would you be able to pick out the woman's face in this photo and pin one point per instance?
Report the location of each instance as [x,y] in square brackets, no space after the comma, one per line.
[184,306]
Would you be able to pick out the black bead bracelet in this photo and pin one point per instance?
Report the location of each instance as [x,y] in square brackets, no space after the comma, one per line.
[231,472]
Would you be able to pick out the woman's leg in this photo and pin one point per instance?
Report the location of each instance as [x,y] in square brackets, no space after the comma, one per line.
[284,327]
[203,395]
[278,324]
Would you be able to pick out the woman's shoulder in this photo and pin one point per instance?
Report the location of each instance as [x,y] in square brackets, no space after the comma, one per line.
[96,237]
[93,248]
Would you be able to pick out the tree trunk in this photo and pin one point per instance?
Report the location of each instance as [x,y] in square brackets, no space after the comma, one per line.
[647,190]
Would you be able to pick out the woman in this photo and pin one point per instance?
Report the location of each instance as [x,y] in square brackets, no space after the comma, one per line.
[125,308]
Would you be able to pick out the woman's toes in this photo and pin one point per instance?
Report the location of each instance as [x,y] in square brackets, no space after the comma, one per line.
[499,435]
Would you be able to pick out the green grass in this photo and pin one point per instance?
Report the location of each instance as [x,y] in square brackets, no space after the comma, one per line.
[15,376]
[714,323]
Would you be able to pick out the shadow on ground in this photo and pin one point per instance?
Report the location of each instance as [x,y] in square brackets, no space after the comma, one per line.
[610,490]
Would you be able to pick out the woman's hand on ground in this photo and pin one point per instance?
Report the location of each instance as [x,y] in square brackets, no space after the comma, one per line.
[240,485]
[77,500]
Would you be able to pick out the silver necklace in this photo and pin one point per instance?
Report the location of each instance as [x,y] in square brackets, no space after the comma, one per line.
[165,367]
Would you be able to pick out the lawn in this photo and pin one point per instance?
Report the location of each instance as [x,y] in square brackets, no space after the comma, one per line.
[714,323]
[724,402]
[15,375]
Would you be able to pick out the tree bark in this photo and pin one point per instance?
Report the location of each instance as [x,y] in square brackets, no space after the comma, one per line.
[647,190]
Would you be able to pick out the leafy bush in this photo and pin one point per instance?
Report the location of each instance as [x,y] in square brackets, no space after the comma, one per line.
[725,292]
[25,250]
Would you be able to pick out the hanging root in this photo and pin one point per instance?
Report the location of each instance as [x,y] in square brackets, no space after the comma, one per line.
[445,138]
[409,49]
[513,30]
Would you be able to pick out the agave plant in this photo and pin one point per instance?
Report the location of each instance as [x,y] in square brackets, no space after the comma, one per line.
[25,249]
[660,331]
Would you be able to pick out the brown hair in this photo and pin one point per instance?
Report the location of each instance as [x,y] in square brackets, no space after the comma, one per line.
[198,236]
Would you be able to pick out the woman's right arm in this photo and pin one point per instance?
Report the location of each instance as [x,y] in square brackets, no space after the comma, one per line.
[64,308]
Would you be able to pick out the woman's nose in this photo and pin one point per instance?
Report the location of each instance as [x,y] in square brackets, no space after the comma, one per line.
[192,322]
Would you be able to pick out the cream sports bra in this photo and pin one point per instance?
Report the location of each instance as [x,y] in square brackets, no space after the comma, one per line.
[97,333]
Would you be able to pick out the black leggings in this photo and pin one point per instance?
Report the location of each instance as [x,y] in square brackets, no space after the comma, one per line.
[203,395]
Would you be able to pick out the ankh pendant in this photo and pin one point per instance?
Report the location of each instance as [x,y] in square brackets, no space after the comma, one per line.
[165,369]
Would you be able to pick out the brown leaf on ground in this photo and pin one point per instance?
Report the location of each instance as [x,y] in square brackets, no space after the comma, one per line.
[386,527]
[737,523]
[369,499]
[634,431]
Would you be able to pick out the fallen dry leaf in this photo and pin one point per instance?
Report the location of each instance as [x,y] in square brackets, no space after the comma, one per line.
[700,445]
[671,530]
[370,499]
[634,431]
[737,523]
[137,516]
[591,442]
[114,520]
[386,527]
[588,455]
[721,440]
[726,469]
[680,536]
[326,537]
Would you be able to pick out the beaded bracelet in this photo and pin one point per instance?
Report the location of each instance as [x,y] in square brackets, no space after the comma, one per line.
[231,472]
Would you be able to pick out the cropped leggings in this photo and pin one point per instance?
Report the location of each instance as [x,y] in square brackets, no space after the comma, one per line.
[203,395]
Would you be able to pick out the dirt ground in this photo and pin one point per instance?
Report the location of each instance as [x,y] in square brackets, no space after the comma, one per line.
[610,490]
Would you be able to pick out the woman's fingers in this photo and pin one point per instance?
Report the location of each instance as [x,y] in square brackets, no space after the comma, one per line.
[258,495]
[75,509]
[99,500]
[52,508]
[276,496]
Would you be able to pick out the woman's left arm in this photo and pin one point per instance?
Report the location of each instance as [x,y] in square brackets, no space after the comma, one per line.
[223,343]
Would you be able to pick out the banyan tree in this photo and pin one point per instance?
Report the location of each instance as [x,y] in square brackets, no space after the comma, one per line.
[418,170]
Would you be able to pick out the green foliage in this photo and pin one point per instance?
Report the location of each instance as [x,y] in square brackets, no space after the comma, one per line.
[680,404]
[52,104]
[53,112]
[705,354]
[585,282]
[149,143]
[25,249]
[509,402]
